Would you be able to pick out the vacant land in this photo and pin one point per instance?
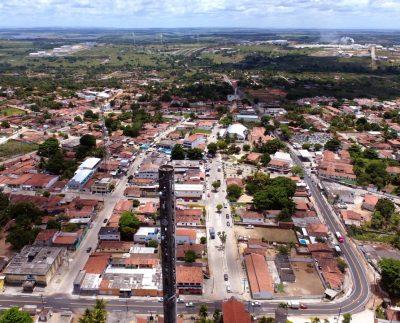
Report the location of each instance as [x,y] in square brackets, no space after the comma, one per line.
[307,281]
[14,148]
[269,234]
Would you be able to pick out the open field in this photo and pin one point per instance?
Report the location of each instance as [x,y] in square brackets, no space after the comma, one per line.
[9,111]
[14,148]
[307,281]
[269,234]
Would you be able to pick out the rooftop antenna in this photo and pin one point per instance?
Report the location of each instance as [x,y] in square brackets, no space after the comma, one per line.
[161,38]
[134,39]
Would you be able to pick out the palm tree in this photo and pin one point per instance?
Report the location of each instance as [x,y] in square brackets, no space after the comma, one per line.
[222,237]
[315,320]
[347,318]
[203,311]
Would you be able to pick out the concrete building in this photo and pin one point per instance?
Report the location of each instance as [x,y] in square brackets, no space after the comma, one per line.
[90,163]
[109,234]
[80,178]
[189,191]
[34,264]
[189,280]
[102,186]
[145,234]
[194,141]
[250,217]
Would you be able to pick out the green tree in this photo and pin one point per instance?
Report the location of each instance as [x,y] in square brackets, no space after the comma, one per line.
[152,243]
[266,320]
[19,236]
[53,224]
[212,148]
[219,207]
[70,227]
[203,240]
[333,144]
[317,146]
[128,225]
[306,145]
[283,250]
[23,212]
[190,256]
[14,315]
[5,124]
[341,264]
[272,146]
[390,276]
[370,153]
[88,141]
[217,315]
[135,203]
[346,318]
[216,184]
[194,154]
[246,147]
[234,192]
[55,164]
[265,159]
[297,170]
[49,147]
[385,207]
[4,202]
[178,153]
[203,311]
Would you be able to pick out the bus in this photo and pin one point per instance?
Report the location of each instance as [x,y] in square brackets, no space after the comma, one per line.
[320,186]
[339,237]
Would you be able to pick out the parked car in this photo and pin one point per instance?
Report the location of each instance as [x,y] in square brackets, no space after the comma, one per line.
[228,223]
[89,249]
[227,216]
[255,304]
[180,300]
[161,299]
[189,304]
[226,277]
[105,220]
[250,226]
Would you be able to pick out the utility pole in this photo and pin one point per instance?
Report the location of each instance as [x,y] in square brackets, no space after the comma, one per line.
[340,312]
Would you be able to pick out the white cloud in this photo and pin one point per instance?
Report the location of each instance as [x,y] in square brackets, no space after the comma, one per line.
[253,13]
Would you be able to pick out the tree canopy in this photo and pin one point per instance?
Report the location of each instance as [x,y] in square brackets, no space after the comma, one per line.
[390,276]
[128,225]
[178,153]
[14,315]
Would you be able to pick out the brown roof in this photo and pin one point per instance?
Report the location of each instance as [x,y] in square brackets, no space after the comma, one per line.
[183,248]
[251,215]
[234,311]
[259,276]
[319,247]
[185,274]
[45,235]
[186,232]
[189,212]
[97,263]
[350,215]
[234,181]
[371,199]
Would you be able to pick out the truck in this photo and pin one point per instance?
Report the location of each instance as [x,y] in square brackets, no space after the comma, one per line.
[339,237]
[294,304]
[219,168]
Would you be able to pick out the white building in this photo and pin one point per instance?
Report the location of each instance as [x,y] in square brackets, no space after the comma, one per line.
[189,191]
[281,156]
[80,179]
[235,130]
[145,234]
[90,163]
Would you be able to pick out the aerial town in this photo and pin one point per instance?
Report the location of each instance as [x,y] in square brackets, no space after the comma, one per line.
[284,200]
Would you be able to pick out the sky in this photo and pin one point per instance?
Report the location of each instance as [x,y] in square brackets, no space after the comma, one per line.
[338,14]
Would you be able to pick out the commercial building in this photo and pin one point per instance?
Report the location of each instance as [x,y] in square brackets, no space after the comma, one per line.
[80,178]
[90,163]
[102,186]
[189,280]
[34,264]
[259,277]
[234,311]
[235,130]
[189,191]
[194,141]
[109,234]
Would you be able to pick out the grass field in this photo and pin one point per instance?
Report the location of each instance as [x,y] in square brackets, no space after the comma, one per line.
[206,132]
[14,148]
[9,111]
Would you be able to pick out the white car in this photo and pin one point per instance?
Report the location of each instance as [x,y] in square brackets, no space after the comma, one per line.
[250,226]
[255,304]
[180,300]
[189,304]
[161,299]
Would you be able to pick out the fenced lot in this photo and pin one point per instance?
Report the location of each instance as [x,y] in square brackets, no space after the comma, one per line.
[269,234]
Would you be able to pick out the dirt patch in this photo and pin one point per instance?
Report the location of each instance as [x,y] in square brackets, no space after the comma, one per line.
[269,234]
[307,281]
[5,248]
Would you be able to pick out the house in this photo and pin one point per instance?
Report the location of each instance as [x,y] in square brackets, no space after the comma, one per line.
[234,181]
[279,166]
[250,217]
[194,141]
[149,209]
[234,311]
[102,186]
[369,202]
[259,277]
[350,217]
[317,229]
[109,234]
[257,135]
[145,234]
[181,250]
[188,217]
[68,240]
[45,238]
[185,236]
[189,280]
[253,158]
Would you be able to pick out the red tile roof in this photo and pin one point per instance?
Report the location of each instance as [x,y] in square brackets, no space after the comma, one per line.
[234,311]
